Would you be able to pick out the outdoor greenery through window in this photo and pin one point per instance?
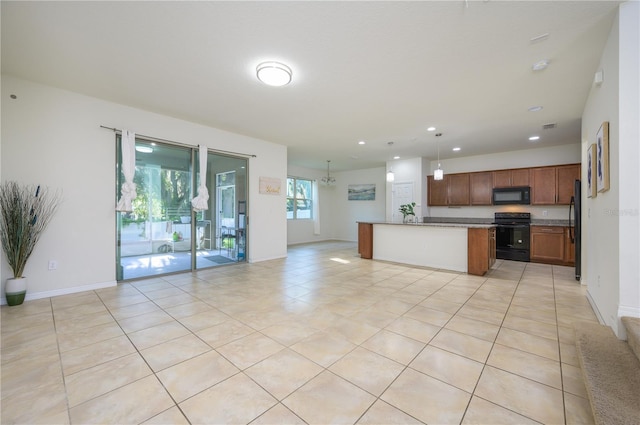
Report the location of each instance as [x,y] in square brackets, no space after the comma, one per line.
[299,199]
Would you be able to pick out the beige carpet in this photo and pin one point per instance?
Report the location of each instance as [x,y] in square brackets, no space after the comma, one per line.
[611,373]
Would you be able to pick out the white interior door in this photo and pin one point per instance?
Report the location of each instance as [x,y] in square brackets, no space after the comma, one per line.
[401,193]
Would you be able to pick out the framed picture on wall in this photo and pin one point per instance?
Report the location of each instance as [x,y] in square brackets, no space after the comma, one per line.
[602,153]
[361,192]
[591,171]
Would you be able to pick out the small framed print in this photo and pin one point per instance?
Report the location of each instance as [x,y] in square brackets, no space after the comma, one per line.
[602,154]
[591,171]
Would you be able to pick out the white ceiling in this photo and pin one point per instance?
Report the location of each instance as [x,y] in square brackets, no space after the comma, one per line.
[374,71]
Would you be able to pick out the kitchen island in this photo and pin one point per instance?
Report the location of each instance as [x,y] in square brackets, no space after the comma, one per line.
[466,248]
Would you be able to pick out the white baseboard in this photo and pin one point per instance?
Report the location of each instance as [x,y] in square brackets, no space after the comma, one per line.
[65,291]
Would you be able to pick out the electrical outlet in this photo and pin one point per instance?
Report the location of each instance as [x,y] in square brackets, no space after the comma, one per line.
[53,265]
[545,213]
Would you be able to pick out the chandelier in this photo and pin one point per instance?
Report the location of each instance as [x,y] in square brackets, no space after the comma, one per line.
[328,180]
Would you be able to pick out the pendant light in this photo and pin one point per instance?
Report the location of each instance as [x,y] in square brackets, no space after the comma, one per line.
[438,174]
[328,180]
[390,176]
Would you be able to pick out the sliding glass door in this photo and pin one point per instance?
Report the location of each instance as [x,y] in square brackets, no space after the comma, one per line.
[162,234]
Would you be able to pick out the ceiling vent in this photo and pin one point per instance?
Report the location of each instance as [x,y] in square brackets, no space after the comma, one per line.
[549,126]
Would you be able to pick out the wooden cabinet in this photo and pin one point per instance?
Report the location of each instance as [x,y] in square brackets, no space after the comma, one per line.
[548,244]
[543,186]
[569,247]
[552,245]
[553,185]
[365,240]
[458,189]
[452,190]
[481,252]
[511,178]
[481,187]
[566,177]
[437,189]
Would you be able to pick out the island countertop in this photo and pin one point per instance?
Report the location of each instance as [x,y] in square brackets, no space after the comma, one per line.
[464,225]
[462,247]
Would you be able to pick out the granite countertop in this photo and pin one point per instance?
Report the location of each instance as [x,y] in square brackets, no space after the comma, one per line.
[550,223]
[448,224]
[471,220]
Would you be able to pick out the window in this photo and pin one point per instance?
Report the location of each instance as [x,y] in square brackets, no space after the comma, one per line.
[299,199]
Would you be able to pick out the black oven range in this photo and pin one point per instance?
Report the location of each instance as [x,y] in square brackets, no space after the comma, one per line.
[512,235]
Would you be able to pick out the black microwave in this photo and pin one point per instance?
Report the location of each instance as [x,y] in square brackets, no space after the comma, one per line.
[512,195]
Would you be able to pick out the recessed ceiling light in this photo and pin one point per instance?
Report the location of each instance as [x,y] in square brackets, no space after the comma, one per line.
[456,149]
[535,108]
[362,142]
[396,157]
[540,65]
[274,73]
[431,129]
[534,138]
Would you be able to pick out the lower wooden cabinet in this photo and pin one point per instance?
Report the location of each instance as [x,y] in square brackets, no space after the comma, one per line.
[481,250]
[551,245]
[569,247]
[365,240]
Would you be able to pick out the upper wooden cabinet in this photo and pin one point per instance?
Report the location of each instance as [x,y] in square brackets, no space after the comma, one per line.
[481,185]
[549,185]
[437,192]
[511,178]
[553,185]
[452,190]
[458,189]
[567,175]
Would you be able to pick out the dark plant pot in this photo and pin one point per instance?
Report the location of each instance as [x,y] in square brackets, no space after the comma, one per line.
[15,299]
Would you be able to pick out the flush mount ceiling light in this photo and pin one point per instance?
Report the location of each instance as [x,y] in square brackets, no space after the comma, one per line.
[396,157]
[540,65]
[274,73]
[362,142]
[535,109]
[456,149]
[328,180]
[431,129]
[534,138]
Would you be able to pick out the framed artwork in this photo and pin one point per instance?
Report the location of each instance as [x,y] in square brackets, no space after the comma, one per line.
[591,171]
[602,161]
[361,192]
[270,186]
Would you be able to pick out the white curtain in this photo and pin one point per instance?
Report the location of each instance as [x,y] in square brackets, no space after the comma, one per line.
[316,208]
[201,202]
[128,190]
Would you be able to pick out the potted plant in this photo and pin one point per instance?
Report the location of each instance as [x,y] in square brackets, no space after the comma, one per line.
[407,210]
[25,213]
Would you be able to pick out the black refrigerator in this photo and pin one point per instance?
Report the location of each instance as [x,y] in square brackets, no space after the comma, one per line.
[575,224]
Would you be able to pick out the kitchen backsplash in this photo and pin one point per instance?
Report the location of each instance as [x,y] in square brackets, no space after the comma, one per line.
[553,212]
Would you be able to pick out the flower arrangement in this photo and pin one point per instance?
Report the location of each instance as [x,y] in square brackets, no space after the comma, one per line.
[25,213]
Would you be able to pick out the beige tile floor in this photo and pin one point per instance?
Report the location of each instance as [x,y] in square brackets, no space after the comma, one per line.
[320,337]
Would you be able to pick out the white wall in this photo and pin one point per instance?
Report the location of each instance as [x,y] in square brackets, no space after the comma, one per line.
[629,114]
[611,237]
[53,137]
[338,215]
[535,157]
[406,171]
